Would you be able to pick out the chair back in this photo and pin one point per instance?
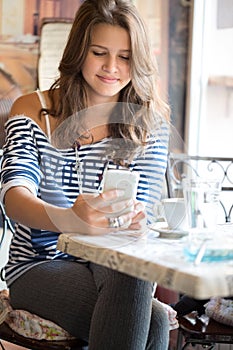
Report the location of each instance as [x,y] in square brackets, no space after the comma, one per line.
[9,92]
[53,38]
[5,106]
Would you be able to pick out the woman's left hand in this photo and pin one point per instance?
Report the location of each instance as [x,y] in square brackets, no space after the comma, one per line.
[138,222]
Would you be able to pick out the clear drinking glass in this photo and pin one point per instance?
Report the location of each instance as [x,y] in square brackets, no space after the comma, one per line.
[202,202]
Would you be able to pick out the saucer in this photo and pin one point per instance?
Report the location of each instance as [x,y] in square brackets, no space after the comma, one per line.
[167,232]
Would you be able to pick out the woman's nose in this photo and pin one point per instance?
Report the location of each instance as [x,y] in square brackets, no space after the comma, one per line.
[110,65]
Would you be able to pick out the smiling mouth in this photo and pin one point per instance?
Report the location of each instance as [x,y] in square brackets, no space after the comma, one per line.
[108,79]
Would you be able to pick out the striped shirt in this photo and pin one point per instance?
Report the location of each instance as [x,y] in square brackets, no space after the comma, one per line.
[30,160]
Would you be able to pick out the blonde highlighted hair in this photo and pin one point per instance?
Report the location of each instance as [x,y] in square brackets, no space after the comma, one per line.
[142,90]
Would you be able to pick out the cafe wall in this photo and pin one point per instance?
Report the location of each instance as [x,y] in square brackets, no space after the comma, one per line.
[20,29]
[167,22]
[20,22]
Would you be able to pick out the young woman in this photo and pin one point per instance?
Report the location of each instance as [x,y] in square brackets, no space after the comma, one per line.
[103,112]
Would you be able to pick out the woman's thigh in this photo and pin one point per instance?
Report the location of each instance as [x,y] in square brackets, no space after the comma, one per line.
[61,291]
[108,309]
[122,315]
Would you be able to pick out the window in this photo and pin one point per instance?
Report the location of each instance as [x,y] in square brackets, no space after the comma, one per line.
[209,110]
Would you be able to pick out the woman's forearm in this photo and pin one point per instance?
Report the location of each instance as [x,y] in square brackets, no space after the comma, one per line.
[23,207]
[88,214]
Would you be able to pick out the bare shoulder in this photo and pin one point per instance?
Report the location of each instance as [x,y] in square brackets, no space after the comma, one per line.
[30,106]
[27,105]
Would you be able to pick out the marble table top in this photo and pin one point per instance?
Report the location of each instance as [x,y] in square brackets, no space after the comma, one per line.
[153,257]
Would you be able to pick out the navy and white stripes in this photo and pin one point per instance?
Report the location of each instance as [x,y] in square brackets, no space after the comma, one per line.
[30,160]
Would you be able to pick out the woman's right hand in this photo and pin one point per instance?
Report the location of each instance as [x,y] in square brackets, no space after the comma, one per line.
[91,212]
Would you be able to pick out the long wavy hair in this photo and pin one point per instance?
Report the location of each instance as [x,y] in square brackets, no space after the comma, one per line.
[141,105]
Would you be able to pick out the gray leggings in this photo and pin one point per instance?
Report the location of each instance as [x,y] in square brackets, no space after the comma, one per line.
[110,310]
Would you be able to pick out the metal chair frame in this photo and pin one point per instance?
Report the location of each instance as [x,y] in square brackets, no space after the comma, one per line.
[181,165]
[206,336]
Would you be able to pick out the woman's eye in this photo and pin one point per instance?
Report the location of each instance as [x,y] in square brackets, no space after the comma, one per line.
[125,57]
[98,53]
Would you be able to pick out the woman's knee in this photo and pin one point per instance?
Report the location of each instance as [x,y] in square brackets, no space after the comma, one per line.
[160,315]
[108,279]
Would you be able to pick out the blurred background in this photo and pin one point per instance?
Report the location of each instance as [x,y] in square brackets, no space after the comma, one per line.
[192,41]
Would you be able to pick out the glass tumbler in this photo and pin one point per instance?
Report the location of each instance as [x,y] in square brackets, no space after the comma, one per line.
[202,202]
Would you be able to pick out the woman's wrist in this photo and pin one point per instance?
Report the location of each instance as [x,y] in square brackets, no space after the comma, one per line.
[64,220]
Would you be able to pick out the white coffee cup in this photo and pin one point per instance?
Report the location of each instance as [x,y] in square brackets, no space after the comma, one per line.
[174,212]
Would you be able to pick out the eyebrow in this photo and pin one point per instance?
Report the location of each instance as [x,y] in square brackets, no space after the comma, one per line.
[105,48]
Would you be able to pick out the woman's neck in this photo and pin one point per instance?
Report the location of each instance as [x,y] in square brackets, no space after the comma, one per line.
[93,135]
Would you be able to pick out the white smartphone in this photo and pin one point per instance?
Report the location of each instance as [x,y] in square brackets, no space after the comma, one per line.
[125,180]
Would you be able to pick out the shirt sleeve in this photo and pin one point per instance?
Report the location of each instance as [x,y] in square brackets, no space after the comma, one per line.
[152,167]
[20,161]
